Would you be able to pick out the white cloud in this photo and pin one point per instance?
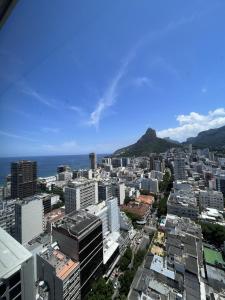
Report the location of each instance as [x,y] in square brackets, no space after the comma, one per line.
[48,101]
[142,81]
[109,97]
[110,94]
[15,136]
[190,125]
[77,109]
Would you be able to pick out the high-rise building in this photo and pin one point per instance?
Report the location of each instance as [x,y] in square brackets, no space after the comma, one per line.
[23,179]
[80,194]
[100,210]
[7,216]
[58,275]
[179,169]
[29,219]
[104,191]
[16,270]
[93,161]
[220,183]
[150,185]
[113,214]
[79,236]
[118,191]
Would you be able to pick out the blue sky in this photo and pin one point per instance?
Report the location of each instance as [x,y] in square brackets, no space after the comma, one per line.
[81,76]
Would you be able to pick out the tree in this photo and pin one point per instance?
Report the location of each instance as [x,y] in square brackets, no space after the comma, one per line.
[125,282]
[213,233]
[125,259]
[124,263]
[162,206]
[127,200]
[138,258]
[101,290]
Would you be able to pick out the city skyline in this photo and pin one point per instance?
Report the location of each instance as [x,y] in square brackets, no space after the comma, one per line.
[97,81]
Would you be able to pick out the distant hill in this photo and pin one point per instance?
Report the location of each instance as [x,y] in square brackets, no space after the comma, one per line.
[148,143]
[212,138]
[168,139]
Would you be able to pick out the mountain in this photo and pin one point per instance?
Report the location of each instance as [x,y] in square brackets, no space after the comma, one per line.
[168,139]
[212,138]
[148,143]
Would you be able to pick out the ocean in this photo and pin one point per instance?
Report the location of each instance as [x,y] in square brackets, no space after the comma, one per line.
[47,165]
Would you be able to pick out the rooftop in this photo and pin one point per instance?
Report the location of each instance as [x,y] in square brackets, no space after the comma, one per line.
[77,222]
[55,215]
[63,264]
[147,199]
[12,254]
[80,181]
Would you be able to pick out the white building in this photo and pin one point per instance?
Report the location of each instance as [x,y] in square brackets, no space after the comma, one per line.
[80,194]
[101,211]
[113,215]
[211,199]
[29,219]
[16,269]
[118,191]
[65,176]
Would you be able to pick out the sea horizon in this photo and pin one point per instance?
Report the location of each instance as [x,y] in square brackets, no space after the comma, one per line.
[47,164]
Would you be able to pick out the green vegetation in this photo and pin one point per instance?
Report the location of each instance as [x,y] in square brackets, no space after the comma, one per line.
[57,205]
[164,184]
[143,192]
[58,191]
[148,143]
[101,290]
[125,259]
[125,282]
[128,276]
[162,207]
[214,139]
[134,217]
[213,233]
[127,200]
[138,258]
[212,256]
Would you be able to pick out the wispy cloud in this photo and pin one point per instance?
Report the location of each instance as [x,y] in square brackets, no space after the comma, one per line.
[193,123]
[110,95]
[63,148]
[111,92]
[77,109]
[142,81]
[50,102]
[50,130]
[15,136]
[19,112]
